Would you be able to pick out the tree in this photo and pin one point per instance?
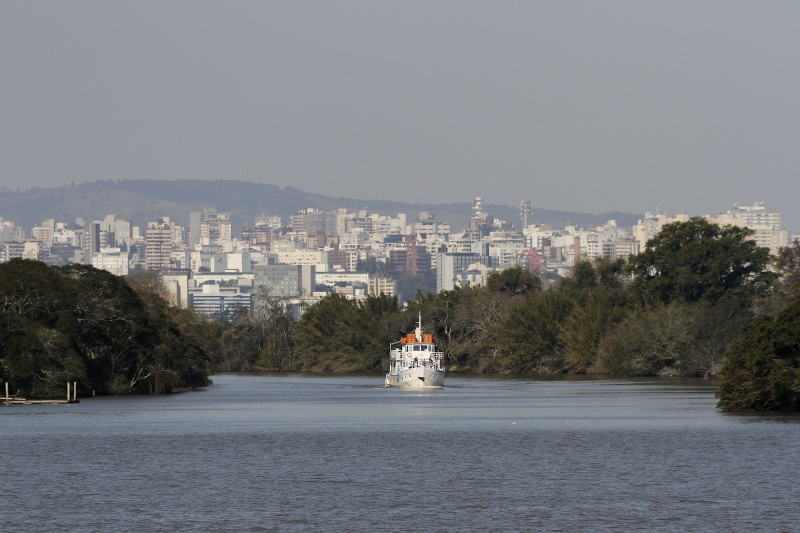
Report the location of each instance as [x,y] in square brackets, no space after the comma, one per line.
[598,303]
[78,323]
[528,332]
[762,372]
[697,261]
[273,322]
[341,335]
[514,281]
[590,320]
[787,263]
[676,339]
[464,322]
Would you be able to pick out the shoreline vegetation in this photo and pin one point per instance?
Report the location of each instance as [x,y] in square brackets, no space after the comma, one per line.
[699,301]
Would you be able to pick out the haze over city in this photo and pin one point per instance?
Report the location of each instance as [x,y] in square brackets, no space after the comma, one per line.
[577,106]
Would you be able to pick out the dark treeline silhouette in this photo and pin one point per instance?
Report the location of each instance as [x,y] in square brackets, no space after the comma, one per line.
[109,334]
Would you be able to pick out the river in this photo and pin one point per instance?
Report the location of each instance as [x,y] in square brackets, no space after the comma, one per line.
[341,453]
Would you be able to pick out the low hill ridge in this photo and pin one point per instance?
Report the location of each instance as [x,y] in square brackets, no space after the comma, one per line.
[146,200]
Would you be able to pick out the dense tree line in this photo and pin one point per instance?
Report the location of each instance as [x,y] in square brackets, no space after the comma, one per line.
[77,323]
[676,309]
[699,300]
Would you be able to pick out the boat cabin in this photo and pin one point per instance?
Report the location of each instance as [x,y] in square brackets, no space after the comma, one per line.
[416,351]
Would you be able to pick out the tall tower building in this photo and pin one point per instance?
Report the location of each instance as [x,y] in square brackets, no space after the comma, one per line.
[525,213]
[195,220]
[91,241]
[158,246]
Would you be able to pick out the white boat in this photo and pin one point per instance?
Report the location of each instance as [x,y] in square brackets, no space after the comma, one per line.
[416,364]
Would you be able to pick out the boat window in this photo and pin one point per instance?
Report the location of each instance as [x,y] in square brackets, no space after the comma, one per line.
[416,347]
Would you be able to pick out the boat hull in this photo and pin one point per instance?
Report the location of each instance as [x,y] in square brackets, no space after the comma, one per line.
[416,378]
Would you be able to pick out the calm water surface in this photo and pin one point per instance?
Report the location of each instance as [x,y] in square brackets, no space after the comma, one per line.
[311,453]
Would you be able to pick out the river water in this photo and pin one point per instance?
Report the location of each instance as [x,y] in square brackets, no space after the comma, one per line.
[311,453]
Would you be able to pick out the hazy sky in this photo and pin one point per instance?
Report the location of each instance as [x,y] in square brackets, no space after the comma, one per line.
[585,106]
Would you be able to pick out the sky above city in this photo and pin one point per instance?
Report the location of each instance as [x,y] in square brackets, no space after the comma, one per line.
[580,106]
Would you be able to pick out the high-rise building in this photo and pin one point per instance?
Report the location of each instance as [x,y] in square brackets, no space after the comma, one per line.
[112,260]
[11,250]
[525,213]
[91,241]
[410,256]
[765,223]
[208,226]
[285,281]
[448,265]
[158,246]
[315,222]
[649,227]
[195,220]
[265,220]
[380,285]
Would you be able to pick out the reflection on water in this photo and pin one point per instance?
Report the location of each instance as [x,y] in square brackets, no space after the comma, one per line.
[285,453]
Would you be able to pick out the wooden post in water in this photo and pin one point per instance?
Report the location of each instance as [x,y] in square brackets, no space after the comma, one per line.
[74,390]
[7,391]
[67,390]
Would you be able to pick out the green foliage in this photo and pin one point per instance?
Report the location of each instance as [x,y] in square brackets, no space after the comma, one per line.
[341,335]
[464,322]
[762,372]
[677,339]
[78,323]
[694,287]
[787,263]
[515,280]
[528,332]
[587,324]
[272,324]
[598,303]
[697,261]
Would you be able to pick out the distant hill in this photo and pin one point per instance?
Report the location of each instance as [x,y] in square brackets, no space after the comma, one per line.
[142,201]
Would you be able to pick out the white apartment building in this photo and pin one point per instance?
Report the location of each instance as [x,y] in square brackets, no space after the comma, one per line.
[354,239]
[158,245]
[303,257]
[8,232]
[112,260]
[617,248]
[266,220]
[287,245]
[332,279]
[177,287]
[379,285]
[648,228]
[765,223]
[44,232]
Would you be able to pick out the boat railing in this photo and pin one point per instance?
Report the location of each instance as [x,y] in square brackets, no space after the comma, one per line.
[435,357]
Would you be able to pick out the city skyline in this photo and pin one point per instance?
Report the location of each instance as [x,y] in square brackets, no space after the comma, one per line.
[592,107]
[218,267]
